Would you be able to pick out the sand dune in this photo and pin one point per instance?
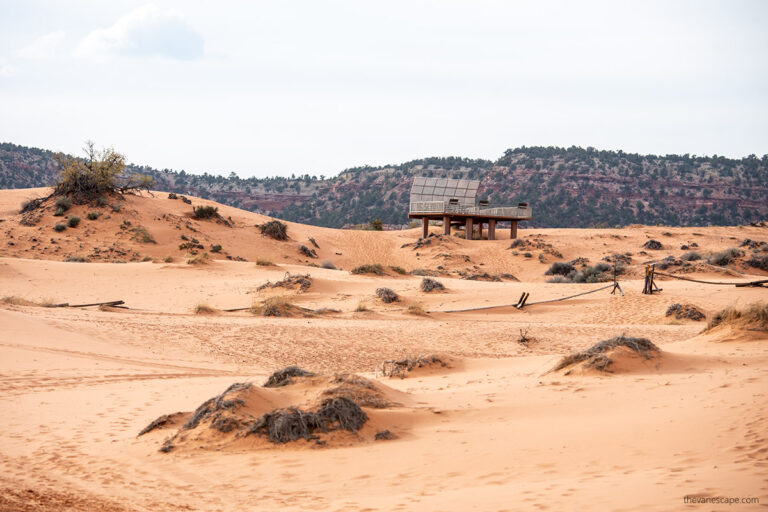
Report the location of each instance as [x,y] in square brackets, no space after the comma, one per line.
[498,430]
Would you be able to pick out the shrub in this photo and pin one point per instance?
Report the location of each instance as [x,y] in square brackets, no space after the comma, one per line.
[386,295]
[314,242]
[216,248]
[76,259]
[374,268]
[559,279]
[60,227]
[725,257]
[62,203]
[758,261]
[399,270]
[93,215]
[274,229]
[653,245]
[275,306]
[168,259]
[306,251]
[116,207]
[691,256]
[100,173]
[376,225]
[560,268]
[429,285]
[73,221]
[361,307]
[263,262]
[205,212]
[328,265]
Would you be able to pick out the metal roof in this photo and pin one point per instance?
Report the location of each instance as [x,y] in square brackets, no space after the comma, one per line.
[444,189]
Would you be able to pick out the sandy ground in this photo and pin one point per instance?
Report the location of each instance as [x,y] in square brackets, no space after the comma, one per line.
[496,432]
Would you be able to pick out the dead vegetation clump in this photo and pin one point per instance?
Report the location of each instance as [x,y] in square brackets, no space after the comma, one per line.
[401,367]
[299,282]
[595,358]
[429,285]
[653,245]
[285,376]
[724,258]
[204,309]
[374,268]
[361,391]
[384,435]
[386,295]
[213,407]
[162,421]
[682,311]
[292,424]
[422,242]
[306,251]
[754,316]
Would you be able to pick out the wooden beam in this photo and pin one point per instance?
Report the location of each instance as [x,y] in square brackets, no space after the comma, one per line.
[469,228]
[480,230]
[446,225]
[424,227]
[492,229]
[513,230]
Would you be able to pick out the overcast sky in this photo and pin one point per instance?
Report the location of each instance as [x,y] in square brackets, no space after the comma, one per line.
[265,88]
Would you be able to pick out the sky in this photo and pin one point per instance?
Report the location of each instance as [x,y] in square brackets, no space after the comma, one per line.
[266,88]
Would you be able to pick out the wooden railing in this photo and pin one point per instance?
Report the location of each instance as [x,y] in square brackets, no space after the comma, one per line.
[522,212]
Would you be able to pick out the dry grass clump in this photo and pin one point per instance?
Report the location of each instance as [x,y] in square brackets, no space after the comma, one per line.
[285,376]
[204,309]
[328,265]
[398,270]
[753,315]
[361,307]
[685,311]
[401,367]
[299,281]
[595,355]
[199,259]
[140,234]
[416,309]
[429,285]
[76,259]
[374,268]
[15,300]
[386,295]
[262,262]
[274,229]
[562,268]
[276,306]
[73,221]
[59,227]
[168,259]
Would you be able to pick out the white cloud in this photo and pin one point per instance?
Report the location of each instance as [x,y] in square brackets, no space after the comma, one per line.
[145,32]
[8,70]
[45,47]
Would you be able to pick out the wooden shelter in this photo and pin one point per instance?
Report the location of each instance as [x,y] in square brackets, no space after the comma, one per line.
[455,202]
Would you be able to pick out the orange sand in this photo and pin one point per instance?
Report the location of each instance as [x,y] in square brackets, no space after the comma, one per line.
[495,432]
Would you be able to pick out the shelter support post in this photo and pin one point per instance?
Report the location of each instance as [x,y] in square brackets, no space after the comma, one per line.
[446,225]
[424,227]
[492,229]
[513,229]
[469,228]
